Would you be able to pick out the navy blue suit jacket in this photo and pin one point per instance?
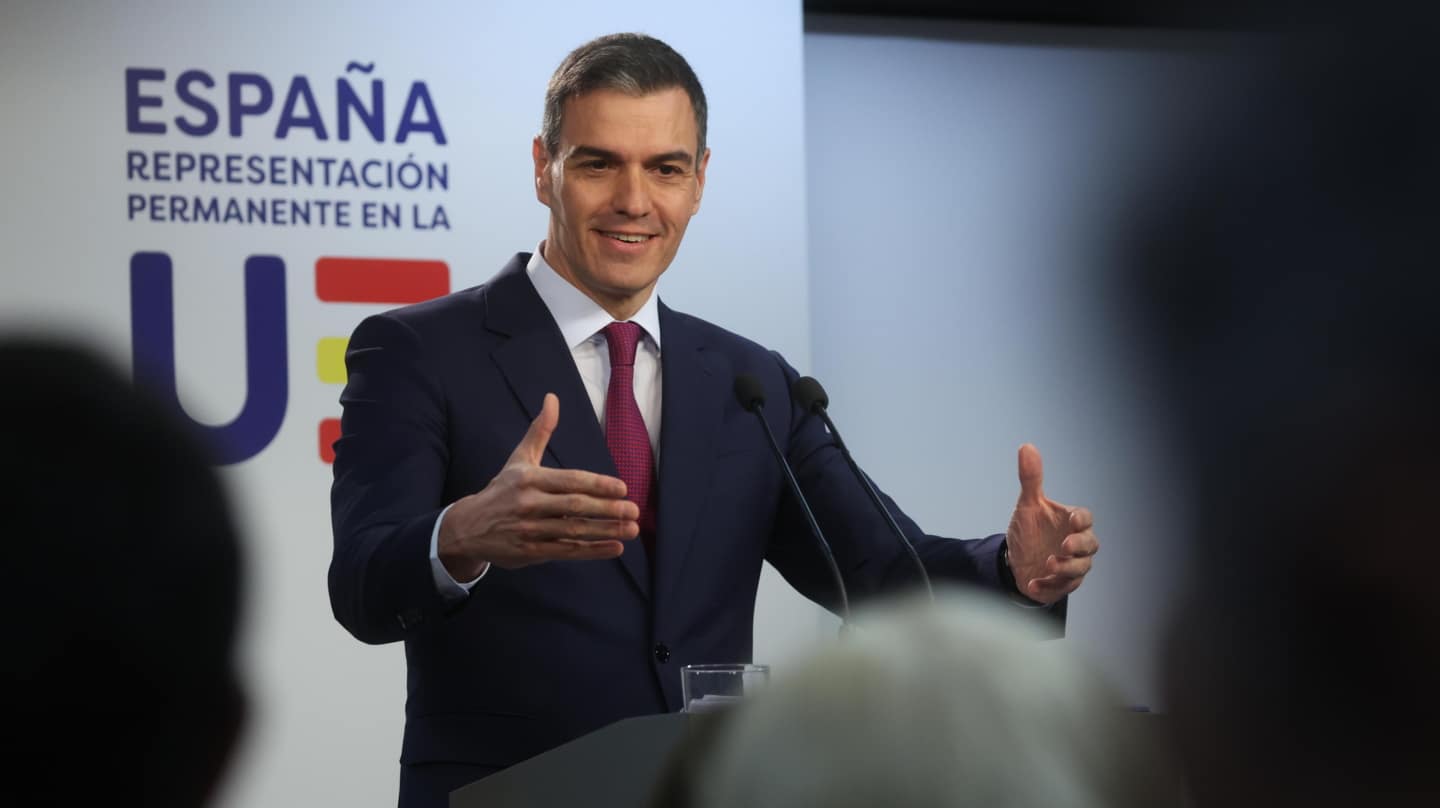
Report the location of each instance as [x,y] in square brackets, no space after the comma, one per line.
[438,395]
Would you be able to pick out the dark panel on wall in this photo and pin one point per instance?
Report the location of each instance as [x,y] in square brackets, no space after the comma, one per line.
[1219,14]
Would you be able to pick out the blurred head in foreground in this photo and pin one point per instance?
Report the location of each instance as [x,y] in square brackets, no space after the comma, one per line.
[1285,284]
[959,703]
[122,591]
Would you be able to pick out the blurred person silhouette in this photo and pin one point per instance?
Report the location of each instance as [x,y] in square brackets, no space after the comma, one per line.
[955,703]
[1284,287]
[123,591]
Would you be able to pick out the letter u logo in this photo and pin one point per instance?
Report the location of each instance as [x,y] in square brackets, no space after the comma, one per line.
[152,331]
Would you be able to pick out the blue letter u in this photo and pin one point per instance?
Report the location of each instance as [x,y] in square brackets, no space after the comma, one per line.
[152,330]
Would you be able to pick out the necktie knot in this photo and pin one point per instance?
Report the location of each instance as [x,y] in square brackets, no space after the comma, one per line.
[622,339]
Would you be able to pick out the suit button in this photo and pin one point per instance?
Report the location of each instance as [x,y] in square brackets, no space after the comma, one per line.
[662,652]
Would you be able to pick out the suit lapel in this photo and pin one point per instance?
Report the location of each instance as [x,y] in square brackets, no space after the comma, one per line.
[695,385]
[535,361]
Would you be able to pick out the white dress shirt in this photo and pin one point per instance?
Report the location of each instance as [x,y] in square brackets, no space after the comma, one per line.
[582,322]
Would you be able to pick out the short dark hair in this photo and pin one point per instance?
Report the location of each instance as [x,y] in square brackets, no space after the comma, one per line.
[126,575]
[634,64]
[1283,278]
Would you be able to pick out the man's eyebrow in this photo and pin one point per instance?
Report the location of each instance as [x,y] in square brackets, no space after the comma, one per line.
[591,151]
[586,152]
[678,156]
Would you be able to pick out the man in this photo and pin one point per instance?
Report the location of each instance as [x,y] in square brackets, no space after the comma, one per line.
[547,588]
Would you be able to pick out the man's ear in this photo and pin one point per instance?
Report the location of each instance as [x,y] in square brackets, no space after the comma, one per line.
[700,180]
[541,156]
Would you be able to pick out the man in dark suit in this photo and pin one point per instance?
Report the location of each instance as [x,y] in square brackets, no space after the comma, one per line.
[577,624]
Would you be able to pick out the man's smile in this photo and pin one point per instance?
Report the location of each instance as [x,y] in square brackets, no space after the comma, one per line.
[628,238]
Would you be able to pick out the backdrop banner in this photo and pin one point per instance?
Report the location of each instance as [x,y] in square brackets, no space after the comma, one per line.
[216,194]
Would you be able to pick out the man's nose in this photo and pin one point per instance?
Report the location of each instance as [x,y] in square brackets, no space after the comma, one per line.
[632,193]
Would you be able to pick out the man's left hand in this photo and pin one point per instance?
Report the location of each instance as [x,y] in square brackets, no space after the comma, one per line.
[1051,546]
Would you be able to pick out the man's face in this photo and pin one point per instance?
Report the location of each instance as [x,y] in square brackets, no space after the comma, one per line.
[621,189]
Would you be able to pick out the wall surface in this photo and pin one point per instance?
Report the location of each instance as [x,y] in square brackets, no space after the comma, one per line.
[967,184]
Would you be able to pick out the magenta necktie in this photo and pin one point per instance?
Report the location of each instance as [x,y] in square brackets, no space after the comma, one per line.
[625,431]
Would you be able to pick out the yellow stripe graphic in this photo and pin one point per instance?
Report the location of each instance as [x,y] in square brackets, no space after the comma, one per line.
[330,359]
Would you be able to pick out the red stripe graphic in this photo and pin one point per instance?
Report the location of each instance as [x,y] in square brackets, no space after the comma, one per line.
[380,280]
[329,433]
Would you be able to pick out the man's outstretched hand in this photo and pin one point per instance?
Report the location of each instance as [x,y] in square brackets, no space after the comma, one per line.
[530,513]
[1051,546]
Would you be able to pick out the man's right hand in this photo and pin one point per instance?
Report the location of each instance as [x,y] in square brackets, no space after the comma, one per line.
[529,513]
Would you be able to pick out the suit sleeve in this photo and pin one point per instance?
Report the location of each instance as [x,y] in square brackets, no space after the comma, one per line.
[390,464]
[871,559]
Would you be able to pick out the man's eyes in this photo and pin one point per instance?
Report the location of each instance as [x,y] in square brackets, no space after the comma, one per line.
[664,170]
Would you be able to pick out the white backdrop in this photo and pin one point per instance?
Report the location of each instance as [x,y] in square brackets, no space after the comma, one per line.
[969,186]
[329,710]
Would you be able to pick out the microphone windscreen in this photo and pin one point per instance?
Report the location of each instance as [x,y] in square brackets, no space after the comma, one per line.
[808,393]
[749,392]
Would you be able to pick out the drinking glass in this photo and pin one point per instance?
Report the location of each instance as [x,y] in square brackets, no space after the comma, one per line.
[711,687]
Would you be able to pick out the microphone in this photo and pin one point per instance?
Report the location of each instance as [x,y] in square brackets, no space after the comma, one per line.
[811,397]
[751,396]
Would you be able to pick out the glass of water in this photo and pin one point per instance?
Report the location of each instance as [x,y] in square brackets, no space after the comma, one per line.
[711,687]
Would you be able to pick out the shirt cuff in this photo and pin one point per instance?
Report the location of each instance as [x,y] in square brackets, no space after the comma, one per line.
[448,587]
[1007,579]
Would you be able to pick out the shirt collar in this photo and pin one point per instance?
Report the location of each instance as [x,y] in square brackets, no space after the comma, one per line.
[579,317]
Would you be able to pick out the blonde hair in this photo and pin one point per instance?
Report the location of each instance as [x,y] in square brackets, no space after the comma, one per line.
[959,703]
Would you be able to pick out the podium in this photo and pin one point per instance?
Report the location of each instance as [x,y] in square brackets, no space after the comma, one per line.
[615,765]
[620,765]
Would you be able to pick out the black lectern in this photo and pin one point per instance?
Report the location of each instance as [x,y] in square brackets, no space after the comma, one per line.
[614,766]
